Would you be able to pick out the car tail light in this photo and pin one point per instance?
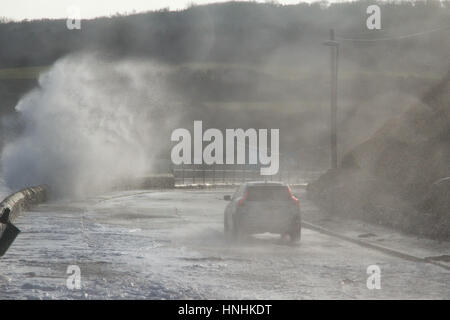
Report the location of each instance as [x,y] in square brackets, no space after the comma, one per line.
[293,197]
[241,201]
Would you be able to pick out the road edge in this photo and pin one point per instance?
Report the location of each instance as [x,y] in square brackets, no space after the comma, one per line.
[386,250]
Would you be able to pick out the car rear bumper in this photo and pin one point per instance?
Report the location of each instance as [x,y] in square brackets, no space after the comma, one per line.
[252,224]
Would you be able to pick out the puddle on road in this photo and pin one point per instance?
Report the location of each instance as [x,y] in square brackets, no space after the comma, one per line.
[212,259]
[144,216]
[367,235]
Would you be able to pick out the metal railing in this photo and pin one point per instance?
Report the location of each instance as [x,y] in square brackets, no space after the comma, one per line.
[237,174]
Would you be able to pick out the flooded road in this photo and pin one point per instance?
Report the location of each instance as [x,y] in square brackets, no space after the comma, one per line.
[170,245]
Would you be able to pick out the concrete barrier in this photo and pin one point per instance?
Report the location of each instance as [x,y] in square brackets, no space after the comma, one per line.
[24,199]
[20,201]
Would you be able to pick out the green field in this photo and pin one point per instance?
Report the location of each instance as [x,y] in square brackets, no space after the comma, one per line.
[22,73]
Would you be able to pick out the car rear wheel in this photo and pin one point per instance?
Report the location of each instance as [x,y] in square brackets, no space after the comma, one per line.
[232,230]
[229,228]
[296,233]
[237,233]
[226,227]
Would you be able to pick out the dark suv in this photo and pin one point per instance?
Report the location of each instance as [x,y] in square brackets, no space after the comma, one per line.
[258,207]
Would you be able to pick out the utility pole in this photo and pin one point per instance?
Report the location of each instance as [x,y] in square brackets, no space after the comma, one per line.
[334,49]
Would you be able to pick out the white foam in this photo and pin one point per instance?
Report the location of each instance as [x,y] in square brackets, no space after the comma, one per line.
[88,124]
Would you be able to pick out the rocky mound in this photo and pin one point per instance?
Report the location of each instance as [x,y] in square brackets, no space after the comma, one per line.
[400,176]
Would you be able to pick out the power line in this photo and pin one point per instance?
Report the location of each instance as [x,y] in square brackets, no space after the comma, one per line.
[393,38]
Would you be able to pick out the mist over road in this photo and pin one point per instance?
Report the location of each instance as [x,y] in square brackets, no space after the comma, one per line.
[170,244]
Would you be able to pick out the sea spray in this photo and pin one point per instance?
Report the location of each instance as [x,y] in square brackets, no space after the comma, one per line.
[88,124]
[4,191]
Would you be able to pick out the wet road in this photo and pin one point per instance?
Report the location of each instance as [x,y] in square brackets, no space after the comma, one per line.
[170,245]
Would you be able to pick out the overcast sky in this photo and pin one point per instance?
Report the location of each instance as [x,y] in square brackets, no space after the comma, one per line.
[36,9]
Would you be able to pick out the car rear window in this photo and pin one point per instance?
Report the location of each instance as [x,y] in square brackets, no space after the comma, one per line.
[268,193]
